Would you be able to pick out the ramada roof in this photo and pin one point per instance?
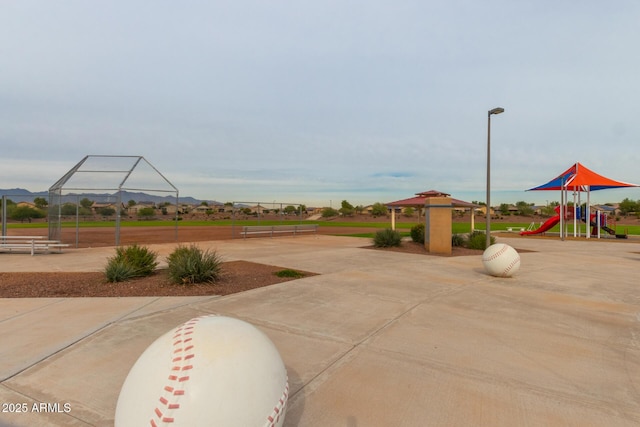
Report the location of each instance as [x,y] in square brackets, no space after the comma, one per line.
[419,199]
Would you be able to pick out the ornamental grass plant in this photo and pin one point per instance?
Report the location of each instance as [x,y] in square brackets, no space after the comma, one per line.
[387,238]
[190,264]
[130,262]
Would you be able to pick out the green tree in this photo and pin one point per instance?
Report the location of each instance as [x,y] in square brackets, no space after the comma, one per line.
[106,211]
[524,208]
[378,209]
[22,213]
[289,209]
[329,212]
[627,206]
[68,209]
[504,208]
[346,209]
[131,203]
[549,210]
[86,203]
[409,212]
[146,213]
[40,202]
[9,202]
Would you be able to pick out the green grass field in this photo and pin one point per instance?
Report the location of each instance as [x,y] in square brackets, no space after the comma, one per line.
[404,227]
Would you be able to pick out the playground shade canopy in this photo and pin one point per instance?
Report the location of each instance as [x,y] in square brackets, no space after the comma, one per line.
[580,178]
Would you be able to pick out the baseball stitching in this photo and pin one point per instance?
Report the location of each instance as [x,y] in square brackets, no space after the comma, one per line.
[510,266]
[278,410]
[497,254]
[182,355]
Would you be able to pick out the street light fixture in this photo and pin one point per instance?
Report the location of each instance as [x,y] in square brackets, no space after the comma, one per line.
[497,110]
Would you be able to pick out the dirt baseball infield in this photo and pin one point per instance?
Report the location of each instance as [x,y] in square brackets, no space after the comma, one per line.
[87,237]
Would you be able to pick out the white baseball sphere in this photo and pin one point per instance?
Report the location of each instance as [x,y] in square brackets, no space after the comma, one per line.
[501,260]
[209,371]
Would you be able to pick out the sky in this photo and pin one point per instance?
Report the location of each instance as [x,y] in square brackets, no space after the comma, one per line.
[319,102]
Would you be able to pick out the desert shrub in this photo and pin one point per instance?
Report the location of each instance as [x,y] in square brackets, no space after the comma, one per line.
[140,257]
[190,264]
[289,273]
[329,212]
[457,240]
[387,238]
[129,262]
[118,270]
[417,233]
[478,240]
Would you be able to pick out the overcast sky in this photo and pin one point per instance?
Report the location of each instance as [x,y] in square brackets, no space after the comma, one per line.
[316,102]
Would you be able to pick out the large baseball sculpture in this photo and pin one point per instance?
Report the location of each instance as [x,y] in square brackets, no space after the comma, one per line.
[501,260]
[209,371]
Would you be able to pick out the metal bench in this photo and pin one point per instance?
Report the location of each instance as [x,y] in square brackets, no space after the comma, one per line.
[31,244]
[273,229]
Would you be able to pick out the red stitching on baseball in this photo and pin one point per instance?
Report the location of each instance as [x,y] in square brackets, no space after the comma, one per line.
[497,254]
[182,354]
[282,403]
[510,266]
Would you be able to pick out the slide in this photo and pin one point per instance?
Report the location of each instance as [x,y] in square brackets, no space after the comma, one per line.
[544,227]
[594,230]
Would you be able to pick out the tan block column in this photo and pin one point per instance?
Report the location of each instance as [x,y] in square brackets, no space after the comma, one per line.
[437,237]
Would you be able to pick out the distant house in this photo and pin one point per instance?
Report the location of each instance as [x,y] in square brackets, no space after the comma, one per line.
[258,209]
[169,208]
[483,210]
[133,210]
[201,209]
[537,209]
[27,204]
[97,207]
[610,210]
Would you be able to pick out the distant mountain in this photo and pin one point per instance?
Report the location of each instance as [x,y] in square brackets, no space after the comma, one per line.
[20,194]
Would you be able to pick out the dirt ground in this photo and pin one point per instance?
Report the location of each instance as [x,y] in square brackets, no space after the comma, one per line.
[93,237]
[237,276]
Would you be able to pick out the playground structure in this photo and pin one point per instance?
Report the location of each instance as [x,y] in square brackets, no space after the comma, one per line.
[598,221]
[577,179]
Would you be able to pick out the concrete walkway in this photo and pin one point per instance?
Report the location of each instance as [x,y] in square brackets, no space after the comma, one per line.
[377,339]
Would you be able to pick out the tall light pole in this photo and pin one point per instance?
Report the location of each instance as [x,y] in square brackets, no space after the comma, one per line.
[497,110]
